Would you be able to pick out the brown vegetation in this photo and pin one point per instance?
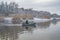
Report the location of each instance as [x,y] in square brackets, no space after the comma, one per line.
[29,16]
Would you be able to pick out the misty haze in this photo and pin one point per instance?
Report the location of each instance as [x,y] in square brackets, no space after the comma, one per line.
[29,19]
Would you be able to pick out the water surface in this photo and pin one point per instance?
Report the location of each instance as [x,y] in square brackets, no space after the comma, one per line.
[43,31]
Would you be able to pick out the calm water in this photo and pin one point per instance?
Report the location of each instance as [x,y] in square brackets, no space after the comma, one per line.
[43,31]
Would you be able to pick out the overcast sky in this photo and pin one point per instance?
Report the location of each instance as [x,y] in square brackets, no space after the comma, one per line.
[52,6]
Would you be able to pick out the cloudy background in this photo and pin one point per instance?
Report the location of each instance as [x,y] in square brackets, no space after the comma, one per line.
[52,6]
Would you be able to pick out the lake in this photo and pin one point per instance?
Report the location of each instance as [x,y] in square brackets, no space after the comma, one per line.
[43,31]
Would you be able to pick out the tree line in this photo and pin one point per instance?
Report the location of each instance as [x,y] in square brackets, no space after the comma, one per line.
[6,8]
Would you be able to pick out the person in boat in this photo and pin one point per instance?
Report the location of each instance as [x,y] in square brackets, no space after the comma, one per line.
[27,22]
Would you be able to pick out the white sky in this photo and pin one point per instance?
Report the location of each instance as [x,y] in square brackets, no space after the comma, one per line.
[52,6]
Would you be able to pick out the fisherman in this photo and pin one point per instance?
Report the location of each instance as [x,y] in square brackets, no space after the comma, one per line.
[27,22]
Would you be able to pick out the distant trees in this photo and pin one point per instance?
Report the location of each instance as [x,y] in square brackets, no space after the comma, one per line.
[55,15]
[12,8]
[6,8]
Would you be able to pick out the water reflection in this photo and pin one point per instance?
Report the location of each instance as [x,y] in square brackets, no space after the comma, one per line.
[47,24]
[44,24]
[13,33]
[8,33]
[55,21]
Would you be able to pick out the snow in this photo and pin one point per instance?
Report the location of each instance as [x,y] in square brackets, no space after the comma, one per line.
[8,20]
[37,20]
